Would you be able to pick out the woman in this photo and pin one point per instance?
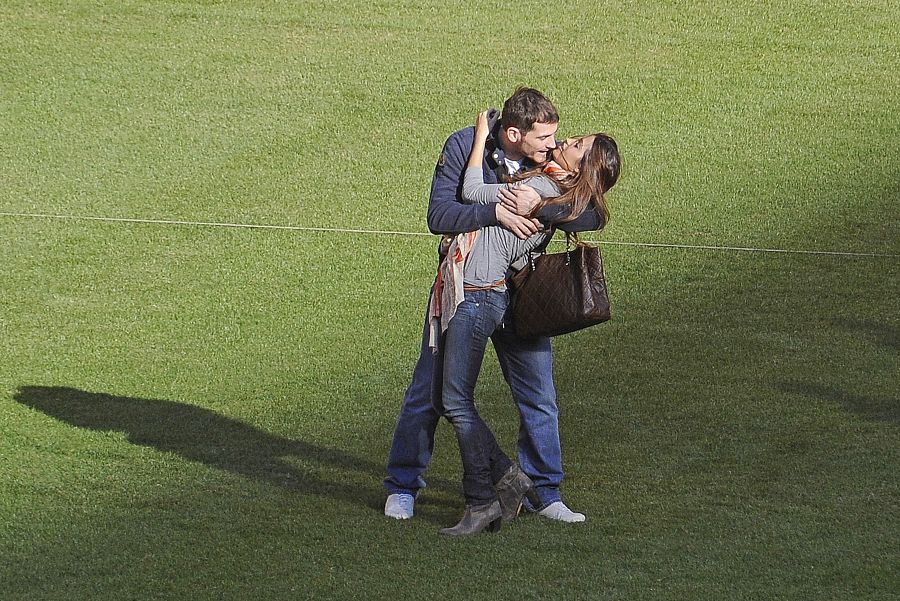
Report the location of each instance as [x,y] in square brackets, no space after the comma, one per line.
[470,300]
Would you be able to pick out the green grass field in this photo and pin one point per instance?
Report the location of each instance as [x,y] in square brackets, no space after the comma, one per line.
[204,412]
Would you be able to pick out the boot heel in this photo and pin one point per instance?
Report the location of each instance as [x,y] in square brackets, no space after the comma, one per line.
[495,525]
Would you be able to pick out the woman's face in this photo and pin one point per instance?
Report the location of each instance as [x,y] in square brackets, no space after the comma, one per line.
[569,152]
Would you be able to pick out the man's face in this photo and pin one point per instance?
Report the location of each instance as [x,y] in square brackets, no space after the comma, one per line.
[535,145]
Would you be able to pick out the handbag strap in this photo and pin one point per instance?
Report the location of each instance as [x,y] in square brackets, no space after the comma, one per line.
[569,237]
[541,248]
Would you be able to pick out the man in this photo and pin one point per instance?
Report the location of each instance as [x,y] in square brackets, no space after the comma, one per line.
[522,138]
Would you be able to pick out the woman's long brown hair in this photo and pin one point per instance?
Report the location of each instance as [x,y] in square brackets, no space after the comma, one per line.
[598,171]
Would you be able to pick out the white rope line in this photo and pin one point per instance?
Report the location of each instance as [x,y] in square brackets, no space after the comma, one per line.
[757,250]
[213,224]
[400,233]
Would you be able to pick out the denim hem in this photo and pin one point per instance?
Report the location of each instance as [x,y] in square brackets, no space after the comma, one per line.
[394,490]
[543,496]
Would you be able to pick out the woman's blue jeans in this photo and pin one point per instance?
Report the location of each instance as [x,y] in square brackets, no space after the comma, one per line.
[461,355]
[527,365]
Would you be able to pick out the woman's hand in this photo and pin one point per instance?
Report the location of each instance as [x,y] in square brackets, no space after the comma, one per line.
[481,134]
[481,126]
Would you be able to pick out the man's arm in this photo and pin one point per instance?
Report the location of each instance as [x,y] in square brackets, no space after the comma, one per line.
[448,214]
[587,221]
[524,198]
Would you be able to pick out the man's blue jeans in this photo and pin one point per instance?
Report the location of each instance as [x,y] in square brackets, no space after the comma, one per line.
[527,365]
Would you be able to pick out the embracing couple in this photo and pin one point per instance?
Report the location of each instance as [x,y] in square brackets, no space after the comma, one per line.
[500,189]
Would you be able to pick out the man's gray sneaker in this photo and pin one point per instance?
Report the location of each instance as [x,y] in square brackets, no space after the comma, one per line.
[399,506]
[558,511]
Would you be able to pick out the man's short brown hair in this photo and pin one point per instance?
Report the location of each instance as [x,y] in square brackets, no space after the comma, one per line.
[526,107]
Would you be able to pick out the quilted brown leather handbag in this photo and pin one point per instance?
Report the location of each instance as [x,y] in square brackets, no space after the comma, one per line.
[558,293]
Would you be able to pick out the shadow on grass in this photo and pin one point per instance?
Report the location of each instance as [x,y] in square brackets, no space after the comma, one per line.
[881,409]
[872,408]
[218,441]
[883,334]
